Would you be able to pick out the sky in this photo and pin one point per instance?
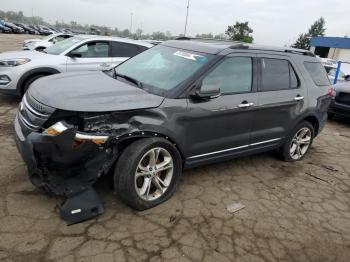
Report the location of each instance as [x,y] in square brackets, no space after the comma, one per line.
[275,22]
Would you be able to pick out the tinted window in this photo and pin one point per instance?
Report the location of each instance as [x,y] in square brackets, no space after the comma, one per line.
[233,75]
[124,50]
[317,73]
[93,49]
[62,46]
[275,74]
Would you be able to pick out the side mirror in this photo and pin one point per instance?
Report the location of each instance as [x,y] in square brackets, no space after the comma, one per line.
[74,54]
[206,92]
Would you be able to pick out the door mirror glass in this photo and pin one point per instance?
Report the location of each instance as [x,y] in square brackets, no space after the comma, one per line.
[75,53]
[206,92]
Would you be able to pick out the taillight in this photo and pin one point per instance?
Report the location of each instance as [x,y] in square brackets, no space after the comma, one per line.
[331,92]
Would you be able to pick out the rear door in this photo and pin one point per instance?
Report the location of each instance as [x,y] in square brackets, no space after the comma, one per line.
[122,51]
[94,56]
[281,99]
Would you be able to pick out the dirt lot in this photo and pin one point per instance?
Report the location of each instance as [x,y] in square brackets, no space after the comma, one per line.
[293,212]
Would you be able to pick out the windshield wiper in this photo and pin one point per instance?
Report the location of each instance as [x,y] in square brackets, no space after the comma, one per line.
[129,78]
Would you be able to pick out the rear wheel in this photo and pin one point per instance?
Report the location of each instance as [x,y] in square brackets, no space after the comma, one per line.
[298,142]
[147,173]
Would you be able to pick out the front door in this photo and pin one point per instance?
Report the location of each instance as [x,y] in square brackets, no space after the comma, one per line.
[221,126]
[91,56]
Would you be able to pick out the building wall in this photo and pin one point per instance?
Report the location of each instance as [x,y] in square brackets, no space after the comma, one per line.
[339,54]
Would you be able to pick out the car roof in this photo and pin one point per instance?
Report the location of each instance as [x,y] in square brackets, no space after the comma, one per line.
[217,46]
[114,38]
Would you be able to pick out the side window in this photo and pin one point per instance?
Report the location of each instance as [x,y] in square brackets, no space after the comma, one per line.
[57,39]
[275,74]
[317,73]
[120,49]
[233,75]
[93,49]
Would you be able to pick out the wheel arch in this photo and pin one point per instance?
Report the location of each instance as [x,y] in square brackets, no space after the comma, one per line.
[33,72]
[126,139]
[314,120]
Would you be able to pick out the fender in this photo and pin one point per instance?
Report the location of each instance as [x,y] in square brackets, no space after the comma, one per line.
[312,117]
[135,135]
[24,77]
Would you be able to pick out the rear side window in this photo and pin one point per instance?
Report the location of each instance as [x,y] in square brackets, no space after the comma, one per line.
[317,73]
[277,74]
[120,49]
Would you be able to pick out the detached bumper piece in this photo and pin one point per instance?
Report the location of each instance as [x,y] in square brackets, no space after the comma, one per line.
[59,168]
[82,206]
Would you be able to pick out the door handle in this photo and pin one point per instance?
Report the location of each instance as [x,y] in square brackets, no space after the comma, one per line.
[104,65]
[298,98]
[245,104]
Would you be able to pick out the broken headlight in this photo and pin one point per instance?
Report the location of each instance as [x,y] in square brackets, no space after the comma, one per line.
[80,137]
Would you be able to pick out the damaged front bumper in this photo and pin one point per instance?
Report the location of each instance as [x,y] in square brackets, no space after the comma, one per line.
[60,168]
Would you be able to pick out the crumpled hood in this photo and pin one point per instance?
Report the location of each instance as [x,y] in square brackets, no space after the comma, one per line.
[91,92]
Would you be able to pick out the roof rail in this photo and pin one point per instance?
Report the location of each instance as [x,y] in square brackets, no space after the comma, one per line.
[205,39]
[291,51]
[239,46]
[297,51]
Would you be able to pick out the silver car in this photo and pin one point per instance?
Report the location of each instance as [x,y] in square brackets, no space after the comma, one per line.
[80,53]
[41,44]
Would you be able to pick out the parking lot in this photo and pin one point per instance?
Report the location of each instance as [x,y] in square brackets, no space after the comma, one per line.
[293,211]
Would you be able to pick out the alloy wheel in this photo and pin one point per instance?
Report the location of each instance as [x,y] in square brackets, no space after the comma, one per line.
[154,174]
[300,143]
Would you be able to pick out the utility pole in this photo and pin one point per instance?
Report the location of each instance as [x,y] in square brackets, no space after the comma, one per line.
[131,23]
[188,6]
[32,16]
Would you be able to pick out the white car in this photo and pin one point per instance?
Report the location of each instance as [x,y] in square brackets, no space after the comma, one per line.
[331,66]
[79,53]
[41,44]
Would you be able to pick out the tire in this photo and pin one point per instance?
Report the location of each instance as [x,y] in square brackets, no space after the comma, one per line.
[286,152]
[138,154]
[29,81]
[330,115]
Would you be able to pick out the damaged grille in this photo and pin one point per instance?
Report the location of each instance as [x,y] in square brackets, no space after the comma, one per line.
[343,98]
[33,114]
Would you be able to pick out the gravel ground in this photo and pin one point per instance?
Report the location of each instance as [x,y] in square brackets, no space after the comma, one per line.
[293,211]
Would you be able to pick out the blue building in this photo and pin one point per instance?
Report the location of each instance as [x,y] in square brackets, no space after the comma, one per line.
[337,48]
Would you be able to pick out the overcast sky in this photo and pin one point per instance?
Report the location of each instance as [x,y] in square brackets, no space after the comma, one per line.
[276,22]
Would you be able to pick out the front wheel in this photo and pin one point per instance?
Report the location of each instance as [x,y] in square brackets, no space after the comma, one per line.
[298,142]
[147,173]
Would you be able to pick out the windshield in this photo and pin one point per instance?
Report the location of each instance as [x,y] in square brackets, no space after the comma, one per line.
[62,46]
[161,69]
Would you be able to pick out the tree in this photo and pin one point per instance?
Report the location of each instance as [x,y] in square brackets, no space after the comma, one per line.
[303,42]
[240,32]
[316,29]
[208,36]
[138,33]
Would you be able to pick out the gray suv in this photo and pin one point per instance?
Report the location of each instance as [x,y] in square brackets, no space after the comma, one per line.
[181,104]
